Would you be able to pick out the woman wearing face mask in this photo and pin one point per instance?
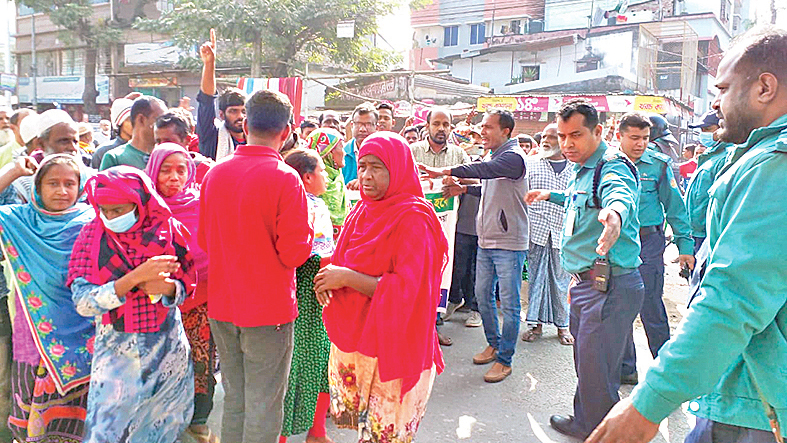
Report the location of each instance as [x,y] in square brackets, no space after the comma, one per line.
[328,143]
[385,286]
[52,344]
[172,169]
[130,269]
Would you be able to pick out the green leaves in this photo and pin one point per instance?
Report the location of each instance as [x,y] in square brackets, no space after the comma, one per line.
[292,32]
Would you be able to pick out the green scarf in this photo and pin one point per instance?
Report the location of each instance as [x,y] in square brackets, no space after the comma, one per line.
[325,140]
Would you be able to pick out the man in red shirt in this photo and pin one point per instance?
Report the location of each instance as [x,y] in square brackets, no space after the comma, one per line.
[254,227]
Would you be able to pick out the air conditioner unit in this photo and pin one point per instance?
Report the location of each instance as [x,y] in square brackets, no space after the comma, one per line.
[535,26]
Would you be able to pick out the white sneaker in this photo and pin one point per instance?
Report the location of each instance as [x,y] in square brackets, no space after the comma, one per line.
[451,308]
[474,320]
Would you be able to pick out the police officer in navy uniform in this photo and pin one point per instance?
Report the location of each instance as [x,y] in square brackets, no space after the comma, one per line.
[659,199]
[600,248]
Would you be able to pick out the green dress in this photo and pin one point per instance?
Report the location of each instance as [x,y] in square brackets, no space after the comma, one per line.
[309,371]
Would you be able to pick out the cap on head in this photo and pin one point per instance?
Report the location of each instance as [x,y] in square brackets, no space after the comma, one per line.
[120,111]
[710,118]
[52,117]
[28,129]
[84,128]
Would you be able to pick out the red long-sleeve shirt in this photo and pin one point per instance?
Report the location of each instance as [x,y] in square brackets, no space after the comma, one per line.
[254,226]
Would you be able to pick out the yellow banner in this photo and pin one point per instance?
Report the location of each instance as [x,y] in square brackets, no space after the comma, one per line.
[486,103]
[648,103]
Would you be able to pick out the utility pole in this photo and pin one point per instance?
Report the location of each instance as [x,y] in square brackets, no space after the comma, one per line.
[33,65]
[7,53]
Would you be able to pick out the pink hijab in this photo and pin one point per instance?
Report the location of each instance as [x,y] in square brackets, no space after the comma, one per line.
[185,204]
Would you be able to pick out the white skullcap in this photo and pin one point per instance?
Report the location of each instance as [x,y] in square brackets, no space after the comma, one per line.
[51,118]
[28,129]
[120,111]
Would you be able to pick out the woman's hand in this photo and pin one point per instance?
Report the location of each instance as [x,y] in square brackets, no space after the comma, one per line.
[162,286]
[156,268]
[330,277]
[324,298]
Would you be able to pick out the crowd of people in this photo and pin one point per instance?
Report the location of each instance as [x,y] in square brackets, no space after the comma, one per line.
[134,267]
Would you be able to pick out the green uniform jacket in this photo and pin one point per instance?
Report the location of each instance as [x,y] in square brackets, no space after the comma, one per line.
[124,155]
[618,190]
[659,195]
[736,329]
[709,163]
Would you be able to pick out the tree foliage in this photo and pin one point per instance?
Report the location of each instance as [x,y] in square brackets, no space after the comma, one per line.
[280,35]
[76,19]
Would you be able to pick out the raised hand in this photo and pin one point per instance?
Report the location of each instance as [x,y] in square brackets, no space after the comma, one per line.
[207,51]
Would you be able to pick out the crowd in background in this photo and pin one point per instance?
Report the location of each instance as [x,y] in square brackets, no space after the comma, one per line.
[133,266]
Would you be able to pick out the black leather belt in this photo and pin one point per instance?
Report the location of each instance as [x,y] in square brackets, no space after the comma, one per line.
[585,275]
[645,230]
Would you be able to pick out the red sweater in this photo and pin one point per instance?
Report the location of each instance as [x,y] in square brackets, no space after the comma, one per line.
[254,226]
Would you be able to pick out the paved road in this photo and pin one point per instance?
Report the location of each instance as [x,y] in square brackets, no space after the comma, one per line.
[517,409]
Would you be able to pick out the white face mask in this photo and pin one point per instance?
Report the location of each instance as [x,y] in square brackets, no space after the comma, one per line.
[706,138]
[122,223]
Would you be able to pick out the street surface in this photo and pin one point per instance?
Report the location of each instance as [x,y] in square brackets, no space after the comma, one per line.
[517,409]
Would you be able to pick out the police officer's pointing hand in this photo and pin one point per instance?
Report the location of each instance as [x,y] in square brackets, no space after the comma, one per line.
[611,221]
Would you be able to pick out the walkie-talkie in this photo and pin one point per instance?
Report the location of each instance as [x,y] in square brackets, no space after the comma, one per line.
[601,274]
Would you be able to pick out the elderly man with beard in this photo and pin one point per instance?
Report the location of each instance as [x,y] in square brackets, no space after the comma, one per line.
[740,312]
[218,141]
[548,282]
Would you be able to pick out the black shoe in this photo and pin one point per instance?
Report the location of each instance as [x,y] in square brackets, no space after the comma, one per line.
[631,379]
[566,426]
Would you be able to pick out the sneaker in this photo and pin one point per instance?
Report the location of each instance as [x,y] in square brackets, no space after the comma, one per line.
[451,309]
[474,320]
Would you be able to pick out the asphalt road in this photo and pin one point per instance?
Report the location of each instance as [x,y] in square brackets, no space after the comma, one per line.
[517,409]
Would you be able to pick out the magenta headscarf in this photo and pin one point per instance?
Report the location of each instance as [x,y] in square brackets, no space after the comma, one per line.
[185,204]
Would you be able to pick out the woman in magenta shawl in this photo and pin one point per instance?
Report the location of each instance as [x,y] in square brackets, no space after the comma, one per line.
[382,292]
[173,171]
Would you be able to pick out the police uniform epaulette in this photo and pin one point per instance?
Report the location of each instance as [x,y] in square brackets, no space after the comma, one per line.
[611,156]
[661,156]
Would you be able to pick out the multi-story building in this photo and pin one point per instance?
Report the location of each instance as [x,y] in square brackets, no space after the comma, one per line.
[595,47]
[140,61]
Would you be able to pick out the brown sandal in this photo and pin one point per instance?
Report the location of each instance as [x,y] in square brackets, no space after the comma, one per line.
[531,335]
[565,338]
[444,340]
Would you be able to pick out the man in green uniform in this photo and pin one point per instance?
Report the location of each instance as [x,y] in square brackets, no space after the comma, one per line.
[600,222]
[709,163]
[659,198]
[136,152]
[733,341]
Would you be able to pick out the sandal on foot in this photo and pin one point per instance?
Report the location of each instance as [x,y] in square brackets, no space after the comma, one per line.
[565,338]
[531,335]
[208,437]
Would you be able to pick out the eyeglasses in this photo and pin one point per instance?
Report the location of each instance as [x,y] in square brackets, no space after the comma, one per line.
[367,125]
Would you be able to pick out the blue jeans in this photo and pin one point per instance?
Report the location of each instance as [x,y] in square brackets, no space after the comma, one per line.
[503,267]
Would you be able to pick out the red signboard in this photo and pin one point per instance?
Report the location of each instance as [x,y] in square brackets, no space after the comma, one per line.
[532,104]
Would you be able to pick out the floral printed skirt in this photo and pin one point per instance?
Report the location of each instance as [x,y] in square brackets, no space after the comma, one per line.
[39,413]
[359,400]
